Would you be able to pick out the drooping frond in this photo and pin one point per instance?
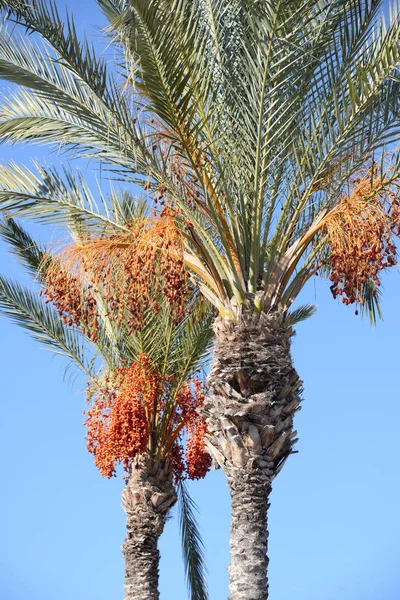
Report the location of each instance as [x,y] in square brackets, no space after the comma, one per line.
[57,103]
[192,340]
[74,54]
[192,545]
[371,305]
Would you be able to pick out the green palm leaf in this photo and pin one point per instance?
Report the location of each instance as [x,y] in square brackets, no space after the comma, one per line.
[192,546]
[23,246]
[300,314]
[43,323]
[52,197]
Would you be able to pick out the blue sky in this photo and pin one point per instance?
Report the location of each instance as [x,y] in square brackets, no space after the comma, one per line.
[334,519]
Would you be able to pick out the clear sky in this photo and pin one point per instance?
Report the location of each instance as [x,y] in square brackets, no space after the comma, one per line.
[334,519]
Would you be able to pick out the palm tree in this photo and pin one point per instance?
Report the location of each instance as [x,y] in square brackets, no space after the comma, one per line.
[142,394]
[268,129]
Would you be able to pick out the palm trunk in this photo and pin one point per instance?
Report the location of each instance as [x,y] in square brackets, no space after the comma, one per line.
[249,536]
[147,498]
[253,394]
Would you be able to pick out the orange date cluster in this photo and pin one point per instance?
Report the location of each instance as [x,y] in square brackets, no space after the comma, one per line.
[139,411]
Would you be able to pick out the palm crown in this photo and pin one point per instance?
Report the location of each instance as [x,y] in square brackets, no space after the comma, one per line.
[248,119]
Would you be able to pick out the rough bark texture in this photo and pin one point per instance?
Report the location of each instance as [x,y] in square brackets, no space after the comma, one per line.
[147,498]
[249,535]
[253,394]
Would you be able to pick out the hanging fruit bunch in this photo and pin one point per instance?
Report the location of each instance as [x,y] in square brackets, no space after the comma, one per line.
[75,305]
[360,233]
[134,412]
[127,272]
[195,461]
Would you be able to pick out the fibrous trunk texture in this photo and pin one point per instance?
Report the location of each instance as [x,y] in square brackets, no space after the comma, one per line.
[253,394]
[147,498]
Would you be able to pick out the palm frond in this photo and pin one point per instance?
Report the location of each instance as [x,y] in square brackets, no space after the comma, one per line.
[359,113]
[192,340]
[77,54]
[300,314]
[43,323]
[51,196]
[113,9]
[371,296]
[23,246]
[70,92]
[192,545]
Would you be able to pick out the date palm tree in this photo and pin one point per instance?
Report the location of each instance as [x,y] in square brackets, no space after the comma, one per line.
[142,390]
[267,127]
